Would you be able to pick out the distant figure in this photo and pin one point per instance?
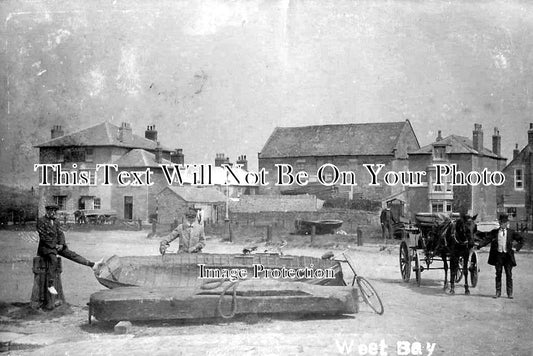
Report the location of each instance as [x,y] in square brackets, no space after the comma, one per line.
[191,235]
[501,254]
[52,243]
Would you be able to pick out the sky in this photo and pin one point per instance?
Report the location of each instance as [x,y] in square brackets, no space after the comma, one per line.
[218,76]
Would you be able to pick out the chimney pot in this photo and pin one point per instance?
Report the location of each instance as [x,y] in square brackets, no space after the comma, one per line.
[515,151]
[496,142]
[57,131]
[530,135]
[151,133]
[477,138]
[158,153]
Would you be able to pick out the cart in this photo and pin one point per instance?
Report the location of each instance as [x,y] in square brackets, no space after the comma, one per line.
[422,245]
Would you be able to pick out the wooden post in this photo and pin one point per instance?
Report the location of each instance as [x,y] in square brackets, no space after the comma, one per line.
[40,296]
[359,236]
[269,233]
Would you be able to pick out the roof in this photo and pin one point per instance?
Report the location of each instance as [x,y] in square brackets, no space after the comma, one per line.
[197,195]
[103,134]
[521,157]
[215,175]
[334,140]
[456,145]
[139,158]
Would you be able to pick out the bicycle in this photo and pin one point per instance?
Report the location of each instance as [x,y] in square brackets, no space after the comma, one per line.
[369,293]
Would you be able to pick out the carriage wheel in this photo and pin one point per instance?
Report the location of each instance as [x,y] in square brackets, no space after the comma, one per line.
[405,262]
[460,272]
[370,295]
[418,268]
[473,268]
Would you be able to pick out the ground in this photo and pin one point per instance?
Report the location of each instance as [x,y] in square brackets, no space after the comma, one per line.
[425,316]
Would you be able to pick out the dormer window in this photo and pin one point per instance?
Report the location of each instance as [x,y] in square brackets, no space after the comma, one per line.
[439,153]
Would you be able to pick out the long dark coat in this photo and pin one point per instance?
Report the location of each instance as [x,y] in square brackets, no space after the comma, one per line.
[512,235]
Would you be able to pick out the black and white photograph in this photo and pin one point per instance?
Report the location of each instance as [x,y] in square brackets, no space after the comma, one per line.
[266,177]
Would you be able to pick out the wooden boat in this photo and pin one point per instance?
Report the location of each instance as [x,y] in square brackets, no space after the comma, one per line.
[183,270]
[248,297]
[321,226]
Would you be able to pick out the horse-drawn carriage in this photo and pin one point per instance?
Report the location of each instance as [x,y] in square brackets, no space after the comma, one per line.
[440,237]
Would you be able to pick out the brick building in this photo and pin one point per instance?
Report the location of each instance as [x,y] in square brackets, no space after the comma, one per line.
[348,147]
[469,155]
[173,202]
[105,143]
[518,187]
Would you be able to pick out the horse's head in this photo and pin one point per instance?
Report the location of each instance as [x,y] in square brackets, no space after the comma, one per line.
[465,229]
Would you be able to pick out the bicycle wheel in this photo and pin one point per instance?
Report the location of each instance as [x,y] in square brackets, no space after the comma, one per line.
[370,296]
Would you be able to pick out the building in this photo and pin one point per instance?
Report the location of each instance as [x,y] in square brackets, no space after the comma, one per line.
[346,146]
[105,143]
[518,187]
[469,155]
[173,202]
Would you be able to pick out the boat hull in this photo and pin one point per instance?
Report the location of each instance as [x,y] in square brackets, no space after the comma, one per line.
[184,270]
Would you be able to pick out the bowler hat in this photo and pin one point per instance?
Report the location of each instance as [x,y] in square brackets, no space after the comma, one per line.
[190,213]
[503,218]
[52,207]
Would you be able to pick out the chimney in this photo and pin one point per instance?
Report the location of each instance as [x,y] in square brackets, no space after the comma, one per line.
[124,133]
[158,153]
[439,136]
[243,162]
[477,138]
[177,156]
[221,159]
[57,131]
[530,135]
[496,142]
[516,151]
[151,133]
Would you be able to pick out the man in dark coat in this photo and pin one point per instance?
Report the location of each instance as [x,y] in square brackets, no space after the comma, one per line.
[501,254]
[52,243]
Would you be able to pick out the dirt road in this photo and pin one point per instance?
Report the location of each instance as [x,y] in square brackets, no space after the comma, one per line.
[417,321]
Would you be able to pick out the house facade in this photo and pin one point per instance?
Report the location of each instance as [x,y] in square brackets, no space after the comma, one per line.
[346,146]
[518,188]
[105,143]
[468,155]
[173,202]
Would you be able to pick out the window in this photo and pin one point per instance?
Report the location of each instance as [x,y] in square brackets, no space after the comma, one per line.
[300,165]
[73,154]
[439,153]
[441,207]
[518,179]
[60,156]
[97,203]
[61,201]
[89,155]
[511,212]
[92,177]
[437,208]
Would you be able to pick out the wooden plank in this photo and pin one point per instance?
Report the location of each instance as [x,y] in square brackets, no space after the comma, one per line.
[137,303]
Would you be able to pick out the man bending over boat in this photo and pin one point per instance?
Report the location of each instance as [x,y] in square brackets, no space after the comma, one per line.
[191,235]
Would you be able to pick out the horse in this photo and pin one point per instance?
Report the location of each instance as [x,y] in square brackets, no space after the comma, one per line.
[461,241]
[453,239]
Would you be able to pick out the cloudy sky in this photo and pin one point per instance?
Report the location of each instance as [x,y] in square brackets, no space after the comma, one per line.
[218,76]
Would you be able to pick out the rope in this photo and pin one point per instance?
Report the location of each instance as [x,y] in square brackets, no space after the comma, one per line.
[216,283]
